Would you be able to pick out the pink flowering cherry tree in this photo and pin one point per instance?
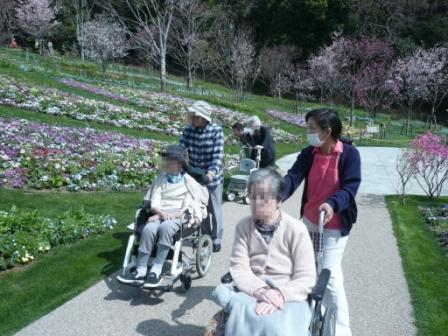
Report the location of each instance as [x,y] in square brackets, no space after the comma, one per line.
[410,79]
[362,66]
[302,85]
[38,19]
[323,71]
[375,89]
[429,161]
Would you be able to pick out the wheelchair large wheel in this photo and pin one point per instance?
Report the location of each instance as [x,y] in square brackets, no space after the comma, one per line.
[329,322]
[204,254]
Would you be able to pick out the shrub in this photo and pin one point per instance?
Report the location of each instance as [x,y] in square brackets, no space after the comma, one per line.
[26,234]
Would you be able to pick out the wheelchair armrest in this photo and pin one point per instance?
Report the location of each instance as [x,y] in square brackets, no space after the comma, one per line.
[226,278]
[146,205]
[186,217]
[321,285]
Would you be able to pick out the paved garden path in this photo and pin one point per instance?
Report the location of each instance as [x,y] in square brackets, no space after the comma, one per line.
[379,176]
[377,291]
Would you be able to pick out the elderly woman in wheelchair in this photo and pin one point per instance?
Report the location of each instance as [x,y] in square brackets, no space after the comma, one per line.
[272,267]
[176,200]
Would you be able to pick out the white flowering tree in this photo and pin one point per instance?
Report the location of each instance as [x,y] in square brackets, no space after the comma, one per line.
[242,60]
[78,12]
[150,26]
[191,16]
[104,40]
[232,53]
[38,19]
[434,65]
[276,65]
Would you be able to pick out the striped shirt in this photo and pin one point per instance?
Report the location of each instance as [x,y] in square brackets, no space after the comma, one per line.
[205,149]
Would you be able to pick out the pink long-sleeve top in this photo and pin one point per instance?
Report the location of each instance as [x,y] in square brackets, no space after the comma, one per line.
[323,182]
[288,259]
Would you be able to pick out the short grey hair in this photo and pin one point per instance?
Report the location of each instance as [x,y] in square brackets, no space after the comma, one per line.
[277,183]
[253,121]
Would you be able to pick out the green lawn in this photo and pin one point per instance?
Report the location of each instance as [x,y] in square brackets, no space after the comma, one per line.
[27,294]
[59,67]
[425,264]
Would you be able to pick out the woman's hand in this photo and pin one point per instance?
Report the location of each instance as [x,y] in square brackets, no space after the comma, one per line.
[210,175]
[153,218]
[165,216]
[329,212]
[264,308]
[272,296]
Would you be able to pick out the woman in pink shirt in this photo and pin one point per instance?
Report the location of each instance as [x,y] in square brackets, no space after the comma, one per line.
[331,169]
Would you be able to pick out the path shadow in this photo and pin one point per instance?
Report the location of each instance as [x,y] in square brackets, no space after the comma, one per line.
[161,328]
[136,296]
[192,298]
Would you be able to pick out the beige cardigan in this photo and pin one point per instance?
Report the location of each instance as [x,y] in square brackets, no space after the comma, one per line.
[288,260]
[195,201]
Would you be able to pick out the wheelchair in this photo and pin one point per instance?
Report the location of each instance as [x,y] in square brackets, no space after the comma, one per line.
[197,236]
[323,321]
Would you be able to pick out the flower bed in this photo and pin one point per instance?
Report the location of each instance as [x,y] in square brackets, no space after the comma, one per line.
[162,118]
[224,116]
[221,115]
[25,235]
[291,118]
[231,162]
[40,156]
[351,132]
[437,219]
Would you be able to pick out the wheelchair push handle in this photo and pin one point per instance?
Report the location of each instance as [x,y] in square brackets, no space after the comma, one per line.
[322,214]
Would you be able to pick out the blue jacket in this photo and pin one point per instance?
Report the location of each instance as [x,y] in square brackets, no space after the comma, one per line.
[343,201]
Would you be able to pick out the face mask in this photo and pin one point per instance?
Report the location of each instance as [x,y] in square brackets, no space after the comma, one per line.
[248,130]
[314,140]
[174,178]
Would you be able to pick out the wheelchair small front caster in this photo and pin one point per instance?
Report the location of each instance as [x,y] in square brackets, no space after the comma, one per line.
[185,280]
[246,200]
[231,196]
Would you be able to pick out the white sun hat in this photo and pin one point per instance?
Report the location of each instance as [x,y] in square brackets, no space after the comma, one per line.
[201,109]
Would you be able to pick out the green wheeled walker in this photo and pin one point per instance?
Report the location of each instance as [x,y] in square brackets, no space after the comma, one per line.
[238,186]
